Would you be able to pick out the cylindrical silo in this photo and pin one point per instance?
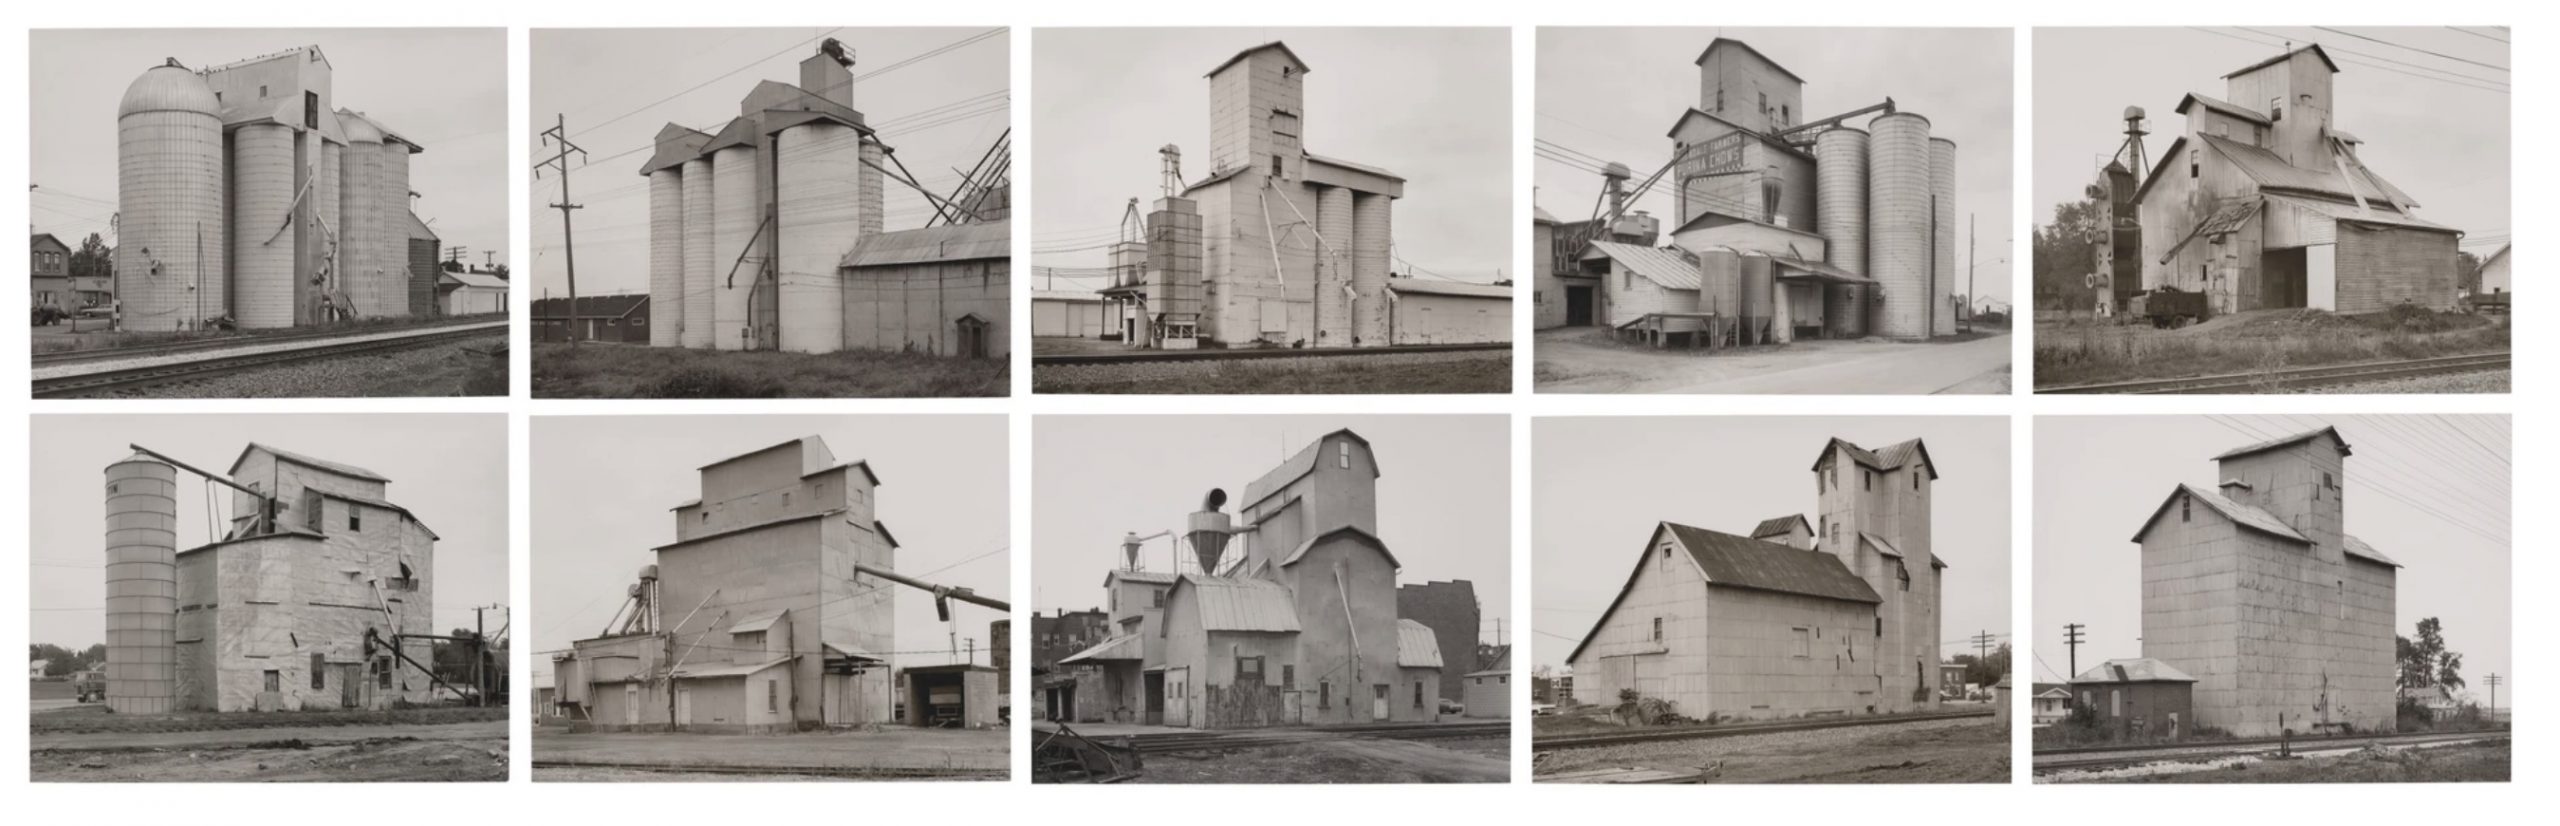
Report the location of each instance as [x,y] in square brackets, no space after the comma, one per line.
[1898,223]
[1372,233]
[874,214]
[698,186]
[359,253]
[261,245]
[666,256]
[733,229]
[393,201]
[142,585]
[1840,210]
[1333,267]
[1942,189]
[169,194]
[1759,297]
[817,219]
[325,200]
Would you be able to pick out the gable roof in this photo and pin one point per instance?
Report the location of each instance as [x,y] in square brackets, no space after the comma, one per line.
[2314,49]
[1778,526]
[2494,257]
[1282,46]
[1297,465]
[1144,577]
[2289,441]
[1890,457]
[2225,107]
[1670,267]
[1406,285]
[988,240]
[1236,604]
[1416,645]
[2245,516]
[305,461]
[2271,172]
[2137,670]
[1350,531]
[1722,42]
[2358,548]
[1742,562]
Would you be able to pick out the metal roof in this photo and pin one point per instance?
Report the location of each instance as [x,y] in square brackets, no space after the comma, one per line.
[1889,457]
[403,512]
[1354,533]
[1742,562]
[1148,577]
[1123,647]
[1882,545]
[1713,45]
[959,242]
[1779,526]
[770,523]
[2229,217]
[1416,646]
[2288,441]
[849,651]
[1230,604]
[2358,548]
[1299,464]
[2314,49]
[477,279]
[1820,271]
[2138,670]
[1468,289]
[2243,515]
[418,229]
[1283,47]
[2225,107]
[759,621]
[2271,172]
[306,461]
[2348,212]
[734,670]
[1670,267]
[1539,215]
[1066,295]
[1355,167]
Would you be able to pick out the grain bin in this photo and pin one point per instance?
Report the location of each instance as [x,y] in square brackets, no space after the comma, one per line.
[698,188]
[666,256]
[1333,266]
[1759,287]
[1372,236]
[391,217]
[359,248]
[142,585]
[169,193]
[1840,207]
[1942,188]
[817,220]
[262,244]
[734,264]
[1898,231]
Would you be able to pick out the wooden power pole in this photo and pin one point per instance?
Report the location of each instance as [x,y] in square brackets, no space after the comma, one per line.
[559,134]
[2071,640]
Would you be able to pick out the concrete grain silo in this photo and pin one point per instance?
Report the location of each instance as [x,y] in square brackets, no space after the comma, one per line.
[1372,228]
[169,270]
[666,256]
[391,205]
[330,250]
[359,247]
[1333,267]
[262,243]
[1840,207]
[1898,215]
[733,230]
[142,585]
[1942,186]
[817,219]
[699,188]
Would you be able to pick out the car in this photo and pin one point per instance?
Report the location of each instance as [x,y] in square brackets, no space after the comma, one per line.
[47,315]
[1542,709]
[1449,706]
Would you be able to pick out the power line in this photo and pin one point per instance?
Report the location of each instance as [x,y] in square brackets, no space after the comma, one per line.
[722,76]
[2477,34]
[2413,48]
[2393,61]
[2255,41]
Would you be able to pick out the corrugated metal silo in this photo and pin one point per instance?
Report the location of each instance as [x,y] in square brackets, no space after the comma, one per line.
[359,253]
[666,257]
[1333,267]
[262,194]
[1942,186]
[817,219]
[169,194]
[698,188]
[1372,231]
[391,201]
[1759,297]
[142,585]
[1719,282]
[733,228]
[1898,222]
[1840,207]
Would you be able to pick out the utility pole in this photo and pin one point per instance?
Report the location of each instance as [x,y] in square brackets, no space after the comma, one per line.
[479,652]
[1971,220]
[2493,698]
[2071,639]
[1982,646]
[559,134]
[488,259]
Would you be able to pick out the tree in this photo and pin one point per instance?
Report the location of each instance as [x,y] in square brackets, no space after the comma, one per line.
[2065,254]
[2425,661]
[93,258]
[2467,272]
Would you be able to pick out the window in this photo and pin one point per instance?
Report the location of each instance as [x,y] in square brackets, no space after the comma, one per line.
[706,517]
[275,681]
[1785,116]
[1764,103]
[1324,694]
[2186,509]
[2275,108]
[1804,642]
[1342,454]
[1657,629]
[1288,675]
[1275,166]
[1155,597]
[262,93]
[1719,100]
[773,695]
[1866,480]
[1915,480]
[786,499]
[310,110]
[1417,694]
[319,671]
[1665,566]
[1627,280]
[355,519]
[1879,625]
[2195,162]
[1248,671]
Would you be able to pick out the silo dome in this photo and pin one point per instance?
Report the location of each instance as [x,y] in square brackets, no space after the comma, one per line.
[168,87]
[358,128]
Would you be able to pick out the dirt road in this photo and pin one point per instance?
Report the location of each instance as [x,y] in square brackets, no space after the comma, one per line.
[896,751]
[1571,361]
[1332,759]
[1939,751]
[474,751]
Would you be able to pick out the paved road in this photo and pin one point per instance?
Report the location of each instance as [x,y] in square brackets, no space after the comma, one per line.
[1899,371]
[482,730]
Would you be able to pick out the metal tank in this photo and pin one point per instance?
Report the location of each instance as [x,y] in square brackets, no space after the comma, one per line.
[1372,233]
[169,193]
[733,229]
[1898,231]
[359,177]
[142,585]
[262,244]
[1942,189]
[698,188]
[817,219]
[1333,267]
[1840,210]
[1759,279]
[391,200]
[666,257]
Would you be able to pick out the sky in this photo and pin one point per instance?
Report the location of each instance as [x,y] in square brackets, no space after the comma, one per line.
[2428,490]
[1959,78]
[943,493]
[2442,140]
[1444,493]
[449,469]
[444,88]
[1430,104]
[1727,473]
[617,87]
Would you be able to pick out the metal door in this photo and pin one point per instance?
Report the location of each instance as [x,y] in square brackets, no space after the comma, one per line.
[1292,708]
[1177,698]
[350,685]
[1378,707]
[1577,306]
[1154,699]
[684,706]
[630,704]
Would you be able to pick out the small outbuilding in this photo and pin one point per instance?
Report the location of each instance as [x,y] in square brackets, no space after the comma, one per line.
[959,695]
[1489,694]
[1424,311]
[2140,696]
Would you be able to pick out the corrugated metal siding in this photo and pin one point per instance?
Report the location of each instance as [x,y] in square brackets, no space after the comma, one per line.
[1416,646]
[1228,604]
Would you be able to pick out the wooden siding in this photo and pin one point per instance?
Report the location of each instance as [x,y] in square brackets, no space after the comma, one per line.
[2380,268]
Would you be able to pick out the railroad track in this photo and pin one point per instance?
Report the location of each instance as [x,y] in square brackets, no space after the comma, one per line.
[1173,742]
[1584,741]
[2297,378]
[116,380]
[218,343]
[1145,356]
[2105,757]
[850,772]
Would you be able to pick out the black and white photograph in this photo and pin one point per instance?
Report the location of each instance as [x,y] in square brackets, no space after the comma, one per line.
[1703,661]
[1812,223]
[1256,265]
[763,213]
[2272,599]
[1341,617]
[268,213]
[771,626]
[329,607]
[2277,209]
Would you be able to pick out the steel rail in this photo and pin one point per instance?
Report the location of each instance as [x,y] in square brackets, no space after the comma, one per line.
[222,342]
[1743,729]
[134,378]
[1144,356]
[2050,760]
[2301,377]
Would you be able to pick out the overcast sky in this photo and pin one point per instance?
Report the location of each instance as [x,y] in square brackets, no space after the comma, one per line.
[1444,493]
[2442,140]
[450,469]
[2430,491]
[618,87]
[603,487]
[444,88]
[1430,104]
[1613,93]
[1602,483]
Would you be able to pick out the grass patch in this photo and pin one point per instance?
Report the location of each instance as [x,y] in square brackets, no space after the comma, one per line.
[1347,375]
[603,371]
[97,719]
[2088,352]
[2491,762]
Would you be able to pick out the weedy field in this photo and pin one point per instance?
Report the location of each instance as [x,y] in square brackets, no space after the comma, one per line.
[2085,351]
[622,371]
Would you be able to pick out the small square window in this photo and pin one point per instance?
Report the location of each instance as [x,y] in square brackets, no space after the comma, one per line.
[1657,629]
[355,519]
